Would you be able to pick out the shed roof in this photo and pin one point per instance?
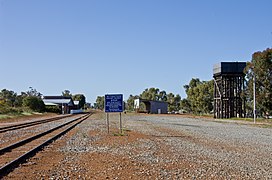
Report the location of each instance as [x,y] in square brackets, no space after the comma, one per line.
[57,97]
[68,102]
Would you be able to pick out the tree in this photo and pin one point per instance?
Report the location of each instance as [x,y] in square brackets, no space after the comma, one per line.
[19,100]
[170,100]
[34,103]
[8,97]
[10,101]
[100,102]
[205,97]
[130,102]
[173,102]
[192,84]
[33,92]
[177,100]
[154,94]
[199,96]
[81,98]
[66,93]
[185,105]
[260,67]
[162,96]
[150,94]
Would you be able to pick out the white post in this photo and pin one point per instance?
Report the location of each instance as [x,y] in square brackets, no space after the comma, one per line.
[62,109]
[254,98]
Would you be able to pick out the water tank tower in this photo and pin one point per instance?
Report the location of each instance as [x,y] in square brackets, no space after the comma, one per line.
[229,81]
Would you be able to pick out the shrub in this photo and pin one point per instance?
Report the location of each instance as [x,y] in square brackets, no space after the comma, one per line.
[34,103]
[53,109]
[9,110]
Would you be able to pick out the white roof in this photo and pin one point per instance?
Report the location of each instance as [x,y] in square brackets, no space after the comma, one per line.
[58,102]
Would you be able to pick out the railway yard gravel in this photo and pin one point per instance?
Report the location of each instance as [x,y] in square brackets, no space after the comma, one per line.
[155,147]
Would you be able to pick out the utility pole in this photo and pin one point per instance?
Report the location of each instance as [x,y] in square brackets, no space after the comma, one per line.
[254,97]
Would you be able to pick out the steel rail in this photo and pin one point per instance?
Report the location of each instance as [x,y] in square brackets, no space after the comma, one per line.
[7,168]
[24,141]
[28,124]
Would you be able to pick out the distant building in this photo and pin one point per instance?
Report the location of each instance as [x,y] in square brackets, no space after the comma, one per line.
[76,103]
[88,105]
[66,104]
[153,107]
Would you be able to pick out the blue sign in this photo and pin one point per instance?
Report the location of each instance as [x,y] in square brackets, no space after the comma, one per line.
[114,103]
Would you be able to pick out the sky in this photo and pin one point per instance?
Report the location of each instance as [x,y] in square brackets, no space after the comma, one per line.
[98,47]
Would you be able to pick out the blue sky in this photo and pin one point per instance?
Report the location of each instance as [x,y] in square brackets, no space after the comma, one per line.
[97,47]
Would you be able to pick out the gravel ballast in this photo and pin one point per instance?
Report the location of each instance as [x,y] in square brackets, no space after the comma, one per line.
[159,147]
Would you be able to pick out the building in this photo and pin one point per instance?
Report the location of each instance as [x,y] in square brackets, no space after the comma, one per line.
[153,107]
[76,103]
[88,105]
[65,104]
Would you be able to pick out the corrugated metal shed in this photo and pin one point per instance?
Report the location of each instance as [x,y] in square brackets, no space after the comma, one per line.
[153,107]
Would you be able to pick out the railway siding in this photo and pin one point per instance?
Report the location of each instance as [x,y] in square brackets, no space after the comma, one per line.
[16,153]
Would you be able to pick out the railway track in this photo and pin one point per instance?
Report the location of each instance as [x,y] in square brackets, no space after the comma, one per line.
[17,153]
[28,124]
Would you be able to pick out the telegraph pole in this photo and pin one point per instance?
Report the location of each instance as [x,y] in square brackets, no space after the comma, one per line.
[254,98]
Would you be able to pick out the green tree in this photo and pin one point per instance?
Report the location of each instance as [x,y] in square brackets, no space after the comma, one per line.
[199,96]
[130,102]
[192,84]
[177,100]
[185,105]
[162,96]
[18,101]
[173,102]
[8,97]
[191,93]
[66,93]
[150,94]
[154,94]
[34,103]
[33,92]
[205,98]
[100,102]
[260,67]
[170,100]
[81,98]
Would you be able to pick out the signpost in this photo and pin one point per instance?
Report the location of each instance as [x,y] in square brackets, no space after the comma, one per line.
[113,104]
